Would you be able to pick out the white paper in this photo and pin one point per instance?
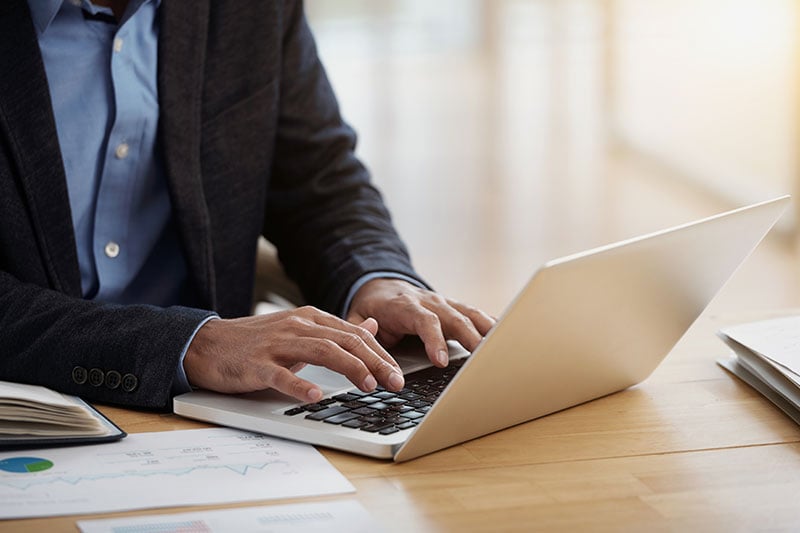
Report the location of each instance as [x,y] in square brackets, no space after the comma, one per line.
[776,339]
[146,470]
[343,515]
[33,394]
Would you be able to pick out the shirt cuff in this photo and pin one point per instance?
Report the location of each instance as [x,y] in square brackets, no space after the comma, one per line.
[369,277]
[181,383]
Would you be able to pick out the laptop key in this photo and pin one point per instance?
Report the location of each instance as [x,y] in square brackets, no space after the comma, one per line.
[369,399]
[389,430]
[329,411]
[346,397]
[355,423]
[394,401]
[340,418]
[374,428]
[381,409]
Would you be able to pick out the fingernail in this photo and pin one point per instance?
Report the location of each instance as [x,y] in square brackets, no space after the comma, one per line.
[396,381]
[314,395]
[369,383]
[443,357]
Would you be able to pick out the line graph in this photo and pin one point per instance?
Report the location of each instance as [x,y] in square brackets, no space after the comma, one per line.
[26,482]
[147,470]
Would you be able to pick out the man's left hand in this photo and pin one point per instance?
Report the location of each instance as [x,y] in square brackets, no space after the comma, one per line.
[404,309]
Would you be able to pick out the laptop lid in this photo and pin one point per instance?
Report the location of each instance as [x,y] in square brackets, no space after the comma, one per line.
[585,326]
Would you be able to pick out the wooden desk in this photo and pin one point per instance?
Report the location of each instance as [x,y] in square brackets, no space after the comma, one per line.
[691,448]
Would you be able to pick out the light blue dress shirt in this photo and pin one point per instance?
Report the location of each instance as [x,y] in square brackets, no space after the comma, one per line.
[103,86]
[102,76]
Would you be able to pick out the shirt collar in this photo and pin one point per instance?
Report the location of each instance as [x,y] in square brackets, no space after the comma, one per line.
[43,12]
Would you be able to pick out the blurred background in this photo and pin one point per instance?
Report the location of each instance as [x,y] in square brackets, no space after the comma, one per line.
[505,133]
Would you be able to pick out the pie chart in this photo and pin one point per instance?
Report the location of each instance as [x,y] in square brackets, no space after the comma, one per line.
[24,465]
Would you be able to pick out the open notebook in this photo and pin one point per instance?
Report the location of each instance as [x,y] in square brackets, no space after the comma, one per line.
[34,415]
[586,325]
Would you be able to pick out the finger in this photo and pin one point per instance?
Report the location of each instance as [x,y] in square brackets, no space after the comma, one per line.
[369,339]
[342,352]
[327,353]
[371,325]
[297,367]
[283,380]
[361,344]
[385,337]
[388,338]
[425,324]
[483,322]
[457,326]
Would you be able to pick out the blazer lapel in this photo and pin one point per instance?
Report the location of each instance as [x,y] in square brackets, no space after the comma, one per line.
[26,120]
[182,44]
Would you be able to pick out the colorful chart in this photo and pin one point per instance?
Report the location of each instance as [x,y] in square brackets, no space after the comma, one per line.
[25,465]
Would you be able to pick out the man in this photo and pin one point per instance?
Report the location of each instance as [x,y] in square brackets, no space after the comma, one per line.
[144,147]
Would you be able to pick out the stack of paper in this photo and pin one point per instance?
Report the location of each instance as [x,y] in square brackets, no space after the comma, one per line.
[767,357]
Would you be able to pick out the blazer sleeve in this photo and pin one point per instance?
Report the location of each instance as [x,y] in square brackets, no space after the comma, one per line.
[124,355]
[328,222]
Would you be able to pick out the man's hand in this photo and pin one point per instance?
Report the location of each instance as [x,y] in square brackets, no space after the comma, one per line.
[403,309]
[260,352]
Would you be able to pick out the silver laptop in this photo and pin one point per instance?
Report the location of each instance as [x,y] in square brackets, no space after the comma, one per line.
[585,326]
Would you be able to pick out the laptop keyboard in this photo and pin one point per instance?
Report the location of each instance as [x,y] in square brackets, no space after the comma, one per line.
[382,411]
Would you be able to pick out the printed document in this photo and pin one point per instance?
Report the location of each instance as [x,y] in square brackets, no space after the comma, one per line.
[329,517]
[171,468]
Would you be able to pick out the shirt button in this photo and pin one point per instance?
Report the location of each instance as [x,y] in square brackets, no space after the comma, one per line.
[118,44]
[122,150]
[112,249]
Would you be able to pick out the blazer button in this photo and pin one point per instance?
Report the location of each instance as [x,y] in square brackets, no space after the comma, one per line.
[96,377]
[79,375]
[129,383]
[113,379]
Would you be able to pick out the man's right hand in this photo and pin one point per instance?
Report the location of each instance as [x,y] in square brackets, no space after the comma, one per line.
[260,352]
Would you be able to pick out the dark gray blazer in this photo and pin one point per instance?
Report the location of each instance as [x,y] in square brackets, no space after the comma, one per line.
[252,142]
